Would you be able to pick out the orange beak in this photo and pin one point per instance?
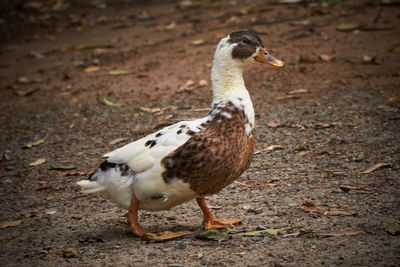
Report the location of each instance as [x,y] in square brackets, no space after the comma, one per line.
[266,58]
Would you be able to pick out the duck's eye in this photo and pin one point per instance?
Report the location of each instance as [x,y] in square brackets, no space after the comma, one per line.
[245,41]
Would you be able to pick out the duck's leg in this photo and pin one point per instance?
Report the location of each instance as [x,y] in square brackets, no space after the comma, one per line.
[209,218]
[133,218]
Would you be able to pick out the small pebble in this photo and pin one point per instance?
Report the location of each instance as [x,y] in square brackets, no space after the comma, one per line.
[10,168]
[366,224]
[204,261]
[180,245]
[43,252]
[338,174]
[152,254]
[254,211]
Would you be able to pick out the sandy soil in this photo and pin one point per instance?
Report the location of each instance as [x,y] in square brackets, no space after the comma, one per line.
[332,113]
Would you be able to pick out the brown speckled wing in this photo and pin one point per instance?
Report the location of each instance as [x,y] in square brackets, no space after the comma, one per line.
[214,157]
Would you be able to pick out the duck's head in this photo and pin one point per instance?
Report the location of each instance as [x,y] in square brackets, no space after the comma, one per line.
[242,48]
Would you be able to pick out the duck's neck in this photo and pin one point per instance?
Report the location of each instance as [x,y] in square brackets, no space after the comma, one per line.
[228,86]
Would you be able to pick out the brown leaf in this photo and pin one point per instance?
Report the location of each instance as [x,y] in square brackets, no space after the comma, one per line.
[310,207]
[377,166]
[37,162]
[152,110]
[170,26]
[368,60]
[92,69]
[339,234]
[242,184]
[10,224]
[117,140]
[326,58]
[166,235]
[36,143]
[347,188]
[346,27]
[198,42]
[395,48]
[298,91]
[273,124]
[70,252]
[268,149]
[27,91]
[23,80]
[189,86]
[322,125]
[280,98]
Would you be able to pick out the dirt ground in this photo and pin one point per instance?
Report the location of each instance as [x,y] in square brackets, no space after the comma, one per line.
[331,114]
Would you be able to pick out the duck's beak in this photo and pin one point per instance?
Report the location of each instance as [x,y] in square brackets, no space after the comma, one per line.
[264,57]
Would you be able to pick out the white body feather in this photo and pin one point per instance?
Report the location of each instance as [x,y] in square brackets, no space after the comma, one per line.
[147,181]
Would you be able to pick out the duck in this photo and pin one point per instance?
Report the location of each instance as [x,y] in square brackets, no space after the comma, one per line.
[190,159]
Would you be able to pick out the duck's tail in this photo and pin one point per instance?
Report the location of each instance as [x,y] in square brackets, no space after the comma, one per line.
[114,180]
[90,187]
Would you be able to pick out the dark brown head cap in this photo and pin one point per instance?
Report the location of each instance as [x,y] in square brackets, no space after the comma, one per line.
[247,43]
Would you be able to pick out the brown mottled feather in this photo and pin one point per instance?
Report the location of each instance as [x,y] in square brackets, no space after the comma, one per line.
[214,157]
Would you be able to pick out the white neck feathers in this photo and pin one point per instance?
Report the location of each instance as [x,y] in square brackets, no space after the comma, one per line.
[227,81]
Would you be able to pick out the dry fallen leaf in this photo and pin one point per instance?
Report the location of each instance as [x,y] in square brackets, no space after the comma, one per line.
[242,184]
[310,207]
[117,140]
[170,26]
[70,252]
[112,104]
[322,125]
[298,91]
[273,124]
[377,166]
[37,162]
[10,224]
[346,27]
[280,98]
[27,91]
[395,48]
[92,69]
[203,83]
[347,188]
[36,143]
[198,42]
[393,228]
[368,60]
[338,234]
[23,80]
[326,58]
[119,72]
[189,85]
[268,149]
[163,236]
